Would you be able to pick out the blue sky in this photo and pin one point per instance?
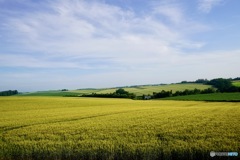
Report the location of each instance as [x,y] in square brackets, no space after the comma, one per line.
[55,44]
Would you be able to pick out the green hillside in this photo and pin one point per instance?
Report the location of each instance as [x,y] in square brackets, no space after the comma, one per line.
[228,97]
[236,83]
[51,93]
[138,90]
[173,87]
[59,93]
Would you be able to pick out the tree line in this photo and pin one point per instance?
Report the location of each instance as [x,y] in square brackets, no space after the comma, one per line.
[219,84]
[204,81]
[119,93]
[8,93]
[164,94]
[224,85]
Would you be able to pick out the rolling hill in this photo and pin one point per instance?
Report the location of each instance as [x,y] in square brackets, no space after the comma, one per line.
[138,90]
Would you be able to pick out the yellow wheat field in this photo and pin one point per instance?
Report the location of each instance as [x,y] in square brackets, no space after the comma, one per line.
[95,128]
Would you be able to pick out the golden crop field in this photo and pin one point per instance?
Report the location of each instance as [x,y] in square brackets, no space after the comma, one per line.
[95,128]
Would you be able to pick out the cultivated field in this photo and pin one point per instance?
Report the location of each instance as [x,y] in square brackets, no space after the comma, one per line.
[236,83]
[139,90]
[95,128]
[50,93]
[218,97]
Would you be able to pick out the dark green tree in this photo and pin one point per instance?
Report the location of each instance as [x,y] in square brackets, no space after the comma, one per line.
[8,93]
[121,91]
[204,81]
[223,85]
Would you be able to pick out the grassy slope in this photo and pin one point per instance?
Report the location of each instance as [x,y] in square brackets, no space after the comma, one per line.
[209,97]
[150,89]
[236,83]
[59,93]
[137,90]
[94,128]
[50,93]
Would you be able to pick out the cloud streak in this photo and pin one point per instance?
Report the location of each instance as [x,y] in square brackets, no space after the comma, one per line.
[207,5]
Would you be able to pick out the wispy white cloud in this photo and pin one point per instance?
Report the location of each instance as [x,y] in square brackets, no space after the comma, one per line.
[95,29]
[53,62]
[93,35]
[207,5]
[181,67]
[172,12]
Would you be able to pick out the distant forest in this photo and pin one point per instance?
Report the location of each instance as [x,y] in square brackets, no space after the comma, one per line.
[8,93]
[205,81]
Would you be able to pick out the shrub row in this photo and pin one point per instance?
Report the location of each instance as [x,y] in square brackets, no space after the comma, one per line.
[164,93]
